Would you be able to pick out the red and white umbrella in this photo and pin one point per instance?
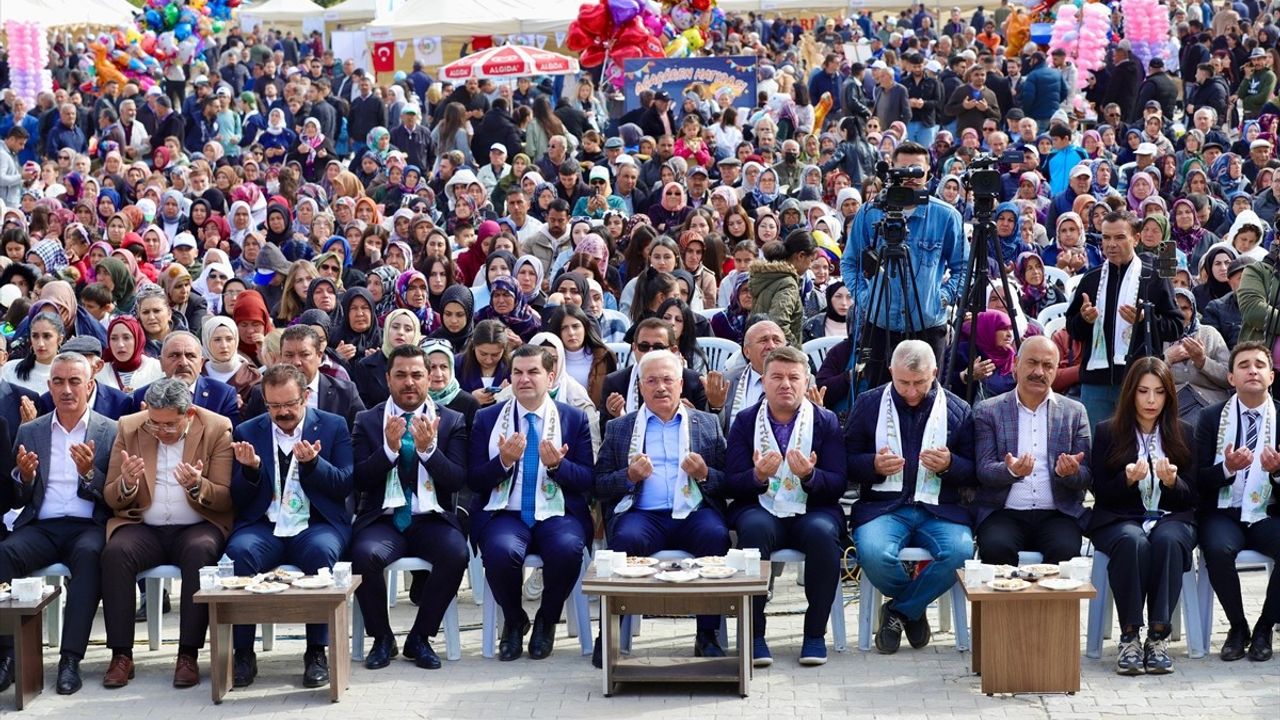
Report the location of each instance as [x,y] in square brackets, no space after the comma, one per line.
[509,61]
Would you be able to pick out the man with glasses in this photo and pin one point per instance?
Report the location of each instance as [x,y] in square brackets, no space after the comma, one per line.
[301,347]
[622,387]
[169,485]
[182,357]
[290,487]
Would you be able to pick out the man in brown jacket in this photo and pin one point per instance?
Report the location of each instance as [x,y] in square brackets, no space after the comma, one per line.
[169,485]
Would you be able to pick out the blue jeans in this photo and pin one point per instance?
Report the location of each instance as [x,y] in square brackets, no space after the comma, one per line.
[1099,402]
[921,133]
[880,540]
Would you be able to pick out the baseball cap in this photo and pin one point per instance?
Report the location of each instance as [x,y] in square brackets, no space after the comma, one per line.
[1238,264]
[1156,62]
[614,142]
[1081,170]
[599,172]
[1125,45]
[200,80]
[410,110]
[933,66]
[662,95]
[1145,148]
[879,65]
[1152,105]
[154,90]
[498,146]
[184,239]
[698,170]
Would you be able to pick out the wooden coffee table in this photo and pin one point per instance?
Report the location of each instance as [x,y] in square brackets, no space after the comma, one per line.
[240,607]
[639,596]
[1027,641]
[25,621]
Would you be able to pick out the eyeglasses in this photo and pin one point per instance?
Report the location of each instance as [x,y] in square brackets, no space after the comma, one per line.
[155,428]
[672,193]
[286,405]
[656,381]
[645,347]
[330,268]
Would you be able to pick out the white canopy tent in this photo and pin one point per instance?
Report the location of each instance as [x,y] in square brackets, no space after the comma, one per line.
[353,11]
[417,18]
[283,11]
[111,13]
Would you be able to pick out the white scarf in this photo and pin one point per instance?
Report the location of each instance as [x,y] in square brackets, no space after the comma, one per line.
[1150,487]
[738,402]
[633,390]
[549,500]
[1128,295]
[1254,482]
[290,511]
[785,496]
[688,496]
[426,489]
[888,434]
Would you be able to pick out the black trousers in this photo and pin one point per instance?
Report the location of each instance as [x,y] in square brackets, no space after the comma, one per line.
[1051,533]
[1146,569]
[1222,537]
[74,542]
[430,537]
[817,535]
[883,342]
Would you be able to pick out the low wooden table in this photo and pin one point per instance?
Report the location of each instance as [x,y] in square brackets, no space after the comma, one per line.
[639,596]
[1027,641]
[25,621]
[240,607]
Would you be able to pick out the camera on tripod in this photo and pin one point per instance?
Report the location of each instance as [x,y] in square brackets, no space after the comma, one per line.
[982,180]
[897,194]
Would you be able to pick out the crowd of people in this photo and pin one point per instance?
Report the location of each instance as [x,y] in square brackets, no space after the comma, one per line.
[288,313]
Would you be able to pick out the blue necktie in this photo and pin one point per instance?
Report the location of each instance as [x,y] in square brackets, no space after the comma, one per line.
[1251,428]
[407,467]
[529,472]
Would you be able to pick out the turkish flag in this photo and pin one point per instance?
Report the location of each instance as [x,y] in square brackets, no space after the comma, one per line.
[384,57]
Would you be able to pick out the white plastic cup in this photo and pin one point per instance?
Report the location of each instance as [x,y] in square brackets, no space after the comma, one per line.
[28,590]
[986,573]
[619,560]
[751,558]
[736,559]
[209,577]
[604,563]
[342,574]
[972,573]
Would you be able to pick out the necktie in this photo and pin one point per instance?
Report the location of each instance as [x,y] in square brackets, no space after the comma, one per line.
[1250,428]
[529,471]
[407,468]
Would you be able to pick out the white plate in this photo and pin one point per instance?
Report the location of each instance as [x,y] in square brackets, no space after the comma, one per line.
[1042,569]
[677,576]
[267,588]
[635,571]
[5,595]
[711,561]
[235,583]
[1013,585]
[716,572]
[1061,584]
[285,576]
[313,583]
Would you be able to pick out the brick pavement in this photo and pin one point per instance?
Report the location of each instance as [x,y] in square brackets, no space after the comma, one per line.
[931,683]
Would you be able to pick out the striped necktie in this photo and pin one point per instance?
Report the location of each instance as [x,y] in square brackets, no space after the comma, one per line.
[1250,428]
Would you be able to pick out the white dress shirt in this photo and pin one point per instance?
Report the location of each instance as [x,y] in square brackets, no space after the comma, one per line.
[517,485]
[61,492]
[392,410]
[1035,491]
[313,392]
[755,389]
[169,503]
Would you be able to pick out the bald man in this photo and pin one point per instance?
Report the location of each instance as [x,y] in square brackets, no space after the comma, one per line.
[1032,473]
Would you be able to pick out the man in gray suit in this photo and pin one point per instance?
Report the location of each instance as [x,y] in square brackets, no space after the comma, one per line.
[745,387]
[62,461]
[1032,448]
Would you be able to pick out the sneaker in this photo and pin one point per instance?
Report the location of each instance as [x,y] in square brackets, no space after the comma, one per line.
[1155,655]
[1130,660]
[813,651]
[533,586]
[889,636]
[918,632]
[760,655]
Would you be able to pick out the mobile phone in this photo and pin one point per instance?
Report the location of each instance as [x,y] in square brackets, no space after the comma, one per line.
[493,389]
[976,94]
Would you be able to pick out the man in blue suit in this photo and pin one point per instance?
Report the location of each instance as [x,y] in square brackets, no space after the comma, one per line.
[290,486]
[786,473]
[182,357]
[530,467]
[413,460]
[659,478]
[106,400]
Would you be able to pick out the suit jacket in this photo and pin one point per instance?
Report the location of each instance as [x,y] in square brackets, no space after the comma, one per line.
[37,437]
[616,382]
[735,378]
[485,471]
[705,438]
[447,464]
[830,476]
[208,441]
[218,397]
[336,396]
[11,407]
[326,480]
[1115,499]
[995,433]
[107,401]
[1212,476]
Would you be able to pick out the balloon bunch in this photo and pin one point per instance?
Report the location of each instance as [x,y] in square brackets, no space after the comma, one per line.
[1084,37]
[611,32]
[1146,26]
[28,56]
[176,31]
[686,24]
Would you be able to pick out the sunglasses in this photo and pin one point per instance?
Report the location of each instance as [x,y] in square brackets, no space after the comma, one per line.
[597,182]
[331,268]
[645,347]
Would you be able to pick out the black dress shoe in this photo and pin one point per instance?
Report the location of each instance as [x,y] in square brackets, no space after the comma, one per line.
[1234,646]
[69,675]
[512,645]
[316,671]
[706,644]
[427,658]
[1260,644]
[918,632]
[597,654]
[384,648]
[6,672]
[244,669]
[542,639]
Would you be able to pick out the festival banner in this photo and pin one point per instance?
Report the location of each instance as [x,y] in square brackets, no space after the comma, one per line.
[734,75]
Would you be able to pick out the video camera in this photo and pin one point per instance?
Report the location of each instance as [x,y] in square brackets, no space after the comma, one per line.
[983,182]
[896,194]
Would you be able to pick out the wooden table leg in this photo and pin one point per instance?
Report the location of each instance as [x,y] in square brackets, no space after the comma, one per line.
[975,636]
[28,646]
[339,663]
[220,655]
[745,665]
[610,630]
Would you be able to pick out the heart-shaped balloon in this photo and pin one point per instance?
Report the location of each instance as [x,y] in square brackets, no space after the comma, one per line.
[577,39]
[623,10]
[595,20]
[592,56]
[633,33]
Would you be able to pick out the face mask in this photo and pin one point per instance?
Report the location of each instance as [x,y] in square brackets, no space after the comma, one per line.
[791,157]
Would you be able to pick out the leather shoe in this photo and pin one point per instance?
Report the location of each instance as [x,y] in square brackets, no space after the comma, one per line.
[186,672]
[6,672]
[69,682]
[542,639]
[512,645]
[244,668]
[1260,644]
[427,658]
[412,647]
[1233,647]
[597,654]
[918,632]
[316,672]
[706,644]
[119,672]
[384,648]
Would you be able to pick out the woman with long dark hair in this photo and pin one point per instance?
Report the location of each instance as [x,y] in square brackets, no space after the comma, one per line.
[677,312]
[1144,482]
[586,357]
[485,365]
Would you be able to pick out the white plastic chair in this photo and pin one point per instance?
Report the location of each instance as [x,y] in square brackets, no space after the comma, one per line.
[818,348]
[578,613]
[840,635]
[717,351]
[1072,283]
[1054,326]
[1102,608]
[951,605]
[1055,275]
[452,634]
[1053,311]
[621,352]
[53,611]
[1204,589]
[708,313]
[155,578]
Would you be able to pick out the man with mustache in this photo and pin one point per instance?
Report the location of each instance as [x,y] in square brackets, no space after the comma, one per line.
[1032,471]
[181,357]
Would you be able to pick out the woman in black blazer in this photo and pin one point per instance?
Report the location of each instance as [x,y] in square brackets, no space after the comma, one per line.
[1144,515]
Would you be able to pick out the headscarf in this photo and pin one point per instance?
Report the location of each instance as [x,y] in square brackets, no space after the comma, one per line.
[445,395]
[536,264]
[762,198]
[134,327]
[521,320]
[461,295]
[280,238]
[51,254]
[832,315]
[371,144]
[387,275]
[111,195]
[1192,327]
[1135,205]
[387,347]
[250,307]
[298,226]
[123,283]
[735,315]
[211,324]
[333,314]
[1216,288]
[363,341]
[595,246]
[275,121]
[346,250]
[1030,293]
[425,315]
[171,276]
[212,300]
[1096,189]
[989,323]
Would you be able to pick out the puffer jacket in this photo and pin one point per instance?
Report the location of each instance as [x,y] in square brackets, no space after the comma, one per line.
[775,291]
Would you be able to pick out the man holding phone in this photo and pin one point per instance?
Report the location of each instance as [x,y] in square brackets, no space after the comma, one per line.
[973,102]
[601,198]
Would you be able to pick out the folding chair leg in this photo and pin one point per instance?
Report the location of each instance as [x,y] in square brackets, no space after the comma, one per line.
[838,631]
[155,606]
[357,631]
[452,633]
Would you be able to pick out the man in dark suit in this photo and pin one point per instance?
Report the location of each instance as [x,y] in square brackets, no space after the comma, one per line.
[657,119]
[786,486]
[1031,447]
[1223,314]
[11,402]
[62,461]
[530,466]
[413,459]
[745,388]
[182,357]
[660,476]
[300,346]
[622,387]
[105,400]
[290,486]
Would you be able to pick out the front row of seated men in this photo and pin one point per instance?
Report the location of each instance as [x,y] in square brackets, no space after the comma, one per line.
[174,484]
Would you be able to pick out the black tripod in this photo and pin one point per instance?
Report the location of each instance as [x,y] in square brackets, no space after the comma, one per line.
[891,261]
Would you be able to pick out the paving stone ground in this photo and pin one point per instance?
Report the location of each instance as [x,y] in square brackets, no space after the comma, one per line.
[930,683]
